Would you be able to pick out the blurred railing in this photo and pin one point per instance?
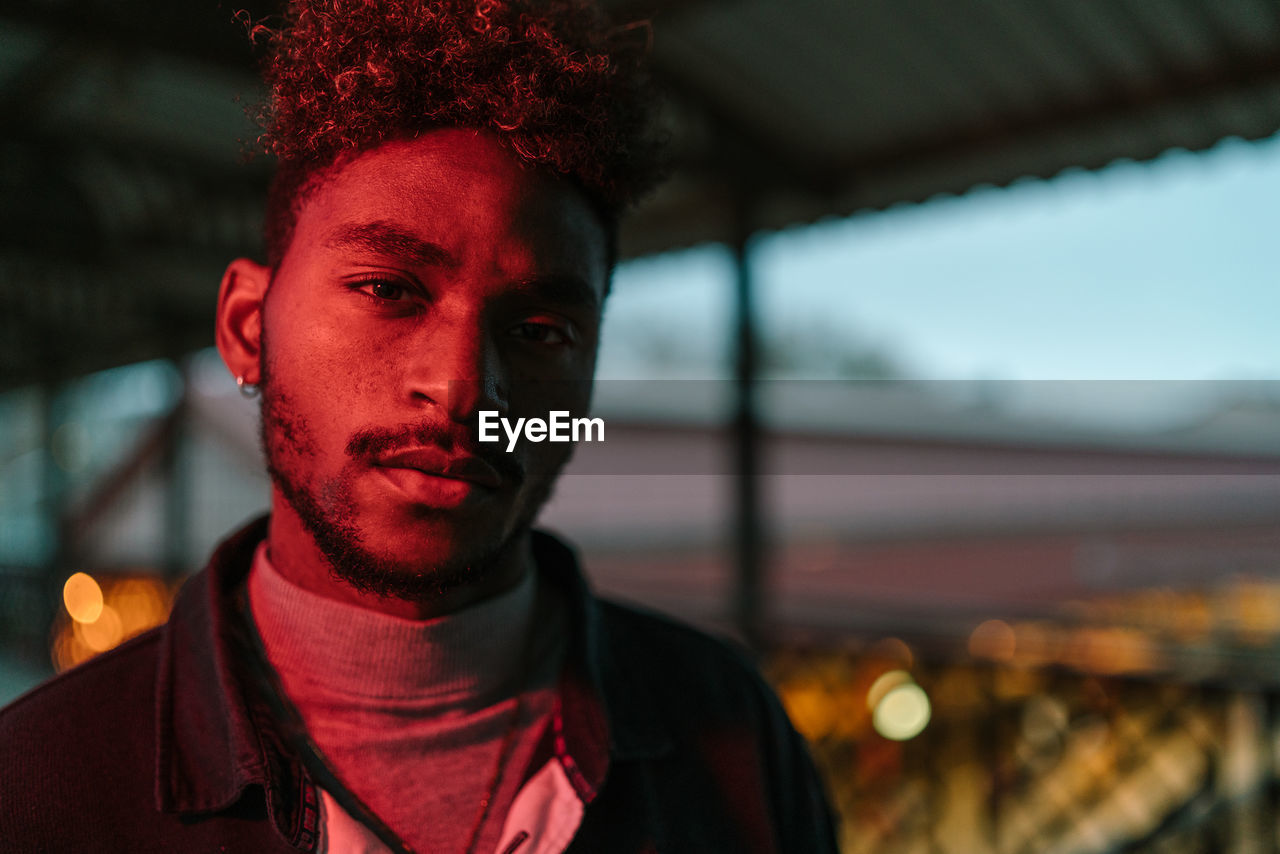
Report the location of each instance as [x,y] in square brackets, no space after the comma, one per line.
[1147,723]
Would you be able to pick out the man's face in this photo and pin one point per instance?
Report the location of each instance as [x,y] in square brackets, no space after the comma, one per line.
[427,280]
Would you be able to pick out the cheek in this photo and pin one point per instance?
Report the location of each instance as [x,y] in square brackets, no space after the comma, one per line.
[326,372]
[368,369]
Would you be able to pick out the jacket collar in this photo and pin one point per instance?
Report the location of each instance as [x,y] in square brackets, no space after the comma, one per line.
[206,749]
[213,740]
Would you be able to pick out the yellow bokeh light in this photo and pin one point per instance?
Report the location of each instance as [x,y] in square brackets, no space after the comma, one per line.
[103,633]
[140,604]
[82,597]
[885,683]
[106,614]
[993,639]
[902,713]
[1110,650]
[68,650]
[1036,644]
[893,651]
[811,710]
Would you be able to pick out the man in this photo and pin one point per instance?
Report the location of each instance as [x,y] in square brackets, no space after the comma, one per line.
[394,661]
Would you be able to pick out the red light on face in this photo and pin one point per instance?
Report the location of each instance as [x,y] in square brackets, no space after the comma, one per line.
[431,490]
[426,280]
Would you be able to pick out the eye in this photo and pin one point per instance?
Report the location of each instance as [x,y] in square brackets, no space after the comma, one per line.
[384,290]
[543,333]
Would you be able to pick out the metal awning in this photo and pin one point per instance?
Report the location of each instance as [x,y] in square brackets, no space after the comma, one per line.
[812,108]
[125,191]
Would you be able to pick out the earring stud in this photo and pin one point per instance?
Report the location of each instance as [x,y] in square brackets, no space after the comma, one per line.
[246,389]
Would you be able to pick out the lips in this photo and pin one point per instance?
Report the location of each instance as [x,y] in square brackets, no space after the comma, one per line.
[439,463]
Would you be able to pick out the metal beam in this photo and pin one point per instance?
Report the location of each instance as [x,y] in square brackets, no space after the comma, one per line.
[1242,75]
[749,541]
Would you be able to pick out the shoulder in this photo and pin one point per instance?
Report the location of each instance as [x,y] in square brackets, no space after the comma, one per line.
[680,664]
[627,623]
[724,717]
[649,657]
[87,733]
[83,694]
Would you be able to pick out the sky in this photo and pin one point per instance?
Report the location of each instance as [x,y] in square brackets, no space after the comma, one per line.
[1162,270]
[1157,270]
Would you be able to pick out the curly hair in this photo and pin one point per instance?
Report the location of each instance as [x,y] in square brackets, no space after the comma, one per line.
[559,86]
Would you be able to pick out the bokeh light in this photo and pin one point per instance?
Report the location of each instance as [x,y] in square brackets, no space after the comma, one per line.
[902,713]
[809,706]
[993,639]
[82,597]
[103,633]
[104,615]
[894,651]
[883,685]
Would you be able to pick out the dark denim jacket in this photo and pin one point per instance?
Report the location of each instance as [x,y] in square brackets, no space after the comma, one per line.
[672,740]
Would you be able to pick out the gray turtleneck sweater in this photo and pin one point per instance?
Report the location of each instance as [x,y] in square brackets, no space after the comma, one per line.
[412,715]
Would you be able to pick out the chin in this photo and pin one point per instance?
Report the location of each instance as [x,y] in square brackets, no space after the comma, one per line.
[419,559]
[419,574]
[380,543]
[410,556]
[432,536]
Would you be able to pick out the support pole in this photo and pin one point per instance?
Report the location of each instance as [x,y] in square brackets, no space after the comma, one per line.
[748,534]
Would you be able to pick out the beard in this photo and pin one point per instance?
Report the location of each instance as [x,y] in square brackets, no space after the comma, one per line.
[333,523]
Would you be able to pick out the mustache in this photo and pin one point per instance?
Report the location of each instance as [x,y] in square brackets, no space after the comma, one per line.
[374,442]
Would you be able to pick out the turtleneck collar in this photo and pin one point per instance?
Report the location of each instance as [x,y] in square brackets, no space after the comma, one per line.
[348,652]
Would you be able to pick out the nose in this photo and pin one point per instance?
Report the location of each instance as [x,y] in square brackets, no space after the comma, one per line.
[455,364]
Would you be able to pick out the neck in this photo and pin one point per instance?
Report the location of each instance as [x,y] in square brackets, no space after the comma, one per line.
[295,555]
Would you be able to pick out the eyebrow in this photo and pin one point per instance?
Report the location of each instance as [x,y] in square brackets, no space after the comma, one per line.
[565,290]
[384,238]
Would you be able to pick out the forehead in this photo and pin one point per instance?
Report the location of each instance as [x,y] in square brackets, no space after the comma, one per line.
[466,192]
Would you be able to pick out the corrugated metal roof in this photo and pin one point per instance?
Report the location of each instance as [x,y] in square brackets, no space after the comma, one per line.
[810,108]
[124,191]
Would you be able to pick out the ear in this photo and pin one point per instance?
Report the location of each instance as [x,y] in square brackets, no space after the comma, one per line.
[239,326]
